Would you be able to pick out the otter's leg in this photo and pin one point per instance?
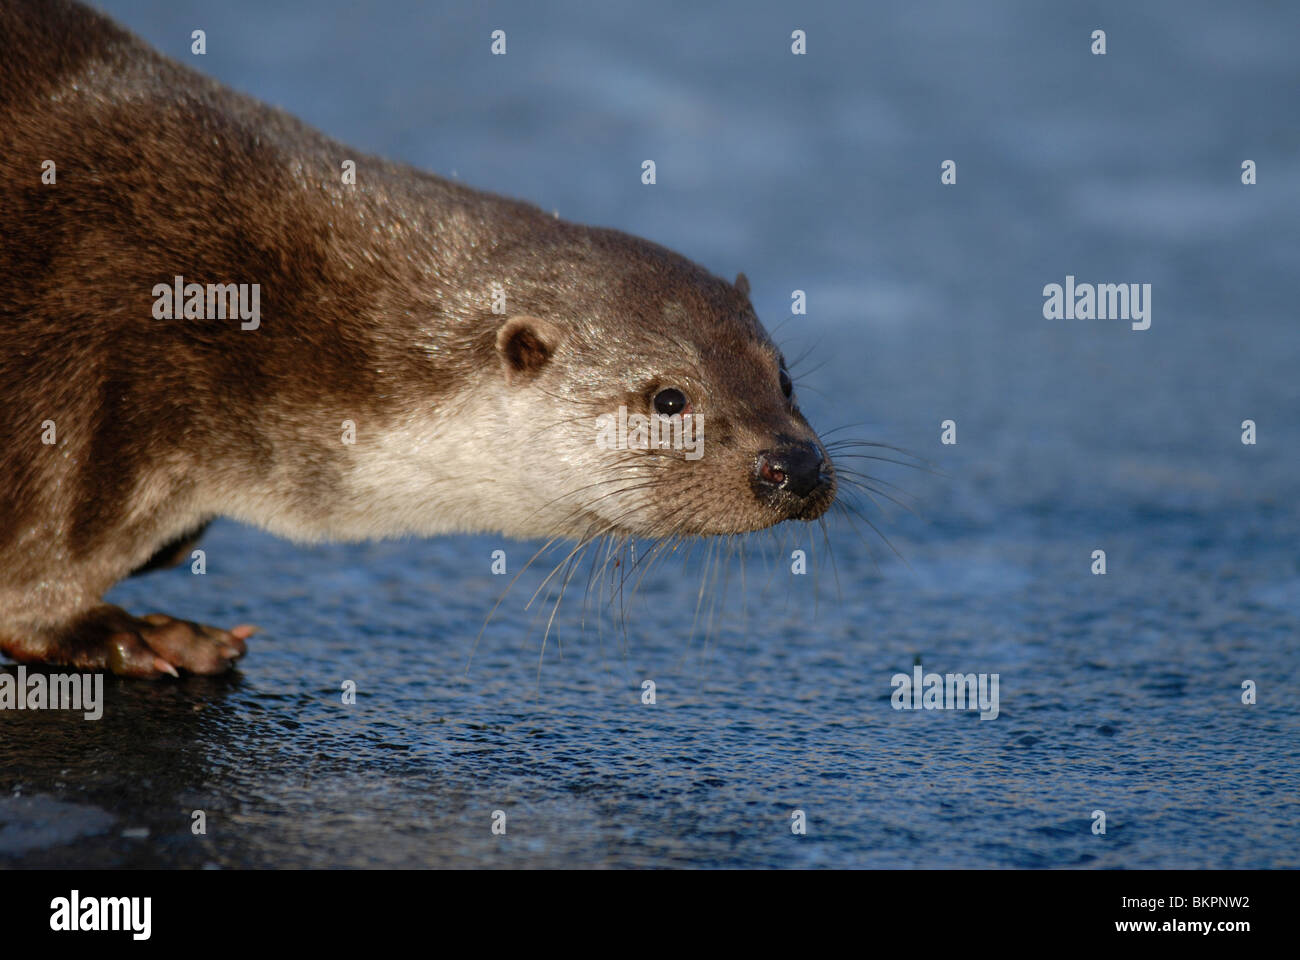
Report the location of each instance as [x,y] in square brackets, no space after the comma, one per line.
[108,638]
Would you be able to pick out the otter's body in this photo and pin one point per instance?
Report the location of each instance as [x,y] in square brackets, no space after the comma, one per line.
[123,432]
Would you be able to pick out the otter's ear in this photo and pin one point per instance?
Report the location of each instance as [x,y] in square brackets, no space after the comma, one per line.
[525,345]
[742,283]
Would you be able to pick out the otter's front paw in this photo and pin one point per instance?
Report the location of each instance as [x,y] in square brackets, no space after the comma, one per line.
[106,637]
[109,638]
[156,644]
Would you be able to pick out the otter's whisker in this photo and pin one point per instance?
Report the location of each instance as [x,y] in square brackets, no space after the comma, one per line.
[830,552]
[572,562]
[859,475]
[855,485]
[491,613]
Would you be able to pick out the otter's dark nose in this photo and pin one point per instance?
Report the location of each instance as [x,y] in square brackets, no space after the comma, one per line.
[796,469]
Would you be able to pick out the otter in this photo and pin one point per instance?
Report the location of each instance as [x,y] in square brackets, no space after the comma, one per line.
[417,358]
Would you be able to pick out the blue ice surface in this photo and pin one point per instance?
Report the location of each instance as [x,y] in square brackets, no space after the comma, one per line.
[1119,693]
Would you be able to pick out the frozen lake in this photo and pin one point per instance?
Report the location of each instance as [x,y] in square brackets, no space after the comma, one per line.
[1119,693]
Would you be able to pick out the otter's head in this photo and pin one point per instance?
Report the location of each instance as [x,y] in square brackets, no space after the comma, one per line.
[662,405]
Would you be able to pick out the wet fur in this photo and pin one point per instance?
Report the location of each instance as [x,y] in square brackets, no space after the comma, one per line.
[375,308]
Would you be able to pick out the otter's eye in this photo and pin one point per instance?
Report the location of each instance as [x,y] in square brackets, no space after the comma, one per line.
[786,386]
[670,401]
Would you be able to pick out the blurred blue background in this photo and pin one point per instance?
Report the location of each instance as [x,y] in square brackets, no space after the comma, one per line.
[821,173]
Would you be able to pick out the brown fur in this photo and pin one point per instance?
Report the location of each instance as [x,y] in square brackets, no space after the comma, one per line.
[374,306]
